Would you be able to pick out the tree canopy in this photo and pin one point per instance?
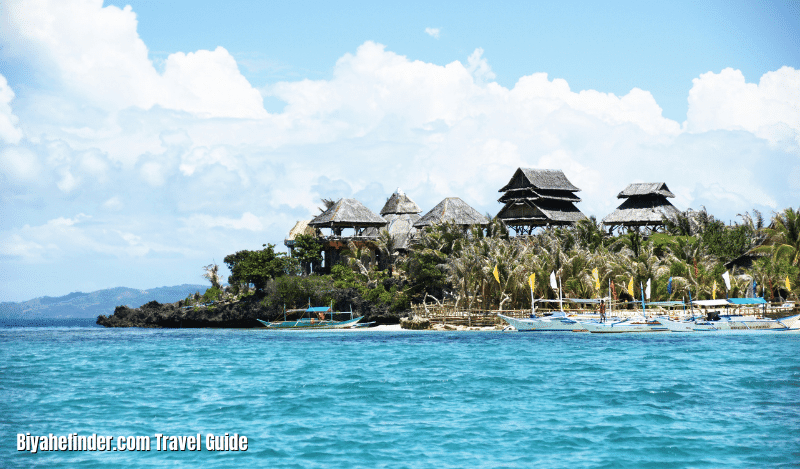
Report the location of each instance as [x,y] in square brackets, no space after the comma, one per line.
[258,267]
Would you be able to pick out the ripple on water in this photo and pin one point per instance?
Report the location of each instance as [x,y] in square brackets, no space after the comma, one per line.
[369,399]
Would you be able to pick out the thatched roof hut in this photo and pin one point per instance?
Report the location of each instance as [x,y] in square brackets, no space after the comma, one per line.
[538,197]
[400,203]
[301,227]
[452,210]
[645,205]
[347,213]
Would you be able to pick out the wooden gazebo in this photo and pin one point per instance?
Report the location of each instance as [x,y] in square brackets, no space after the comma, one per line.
[538,197]
[345,214]
[645,205]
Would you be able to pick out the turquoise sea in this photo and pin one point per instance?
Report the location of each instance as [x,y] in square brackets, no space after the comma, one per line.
[404,399]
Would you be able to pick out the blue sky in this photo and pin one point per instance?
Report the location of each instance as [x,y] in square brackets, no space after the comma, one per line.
[139,143]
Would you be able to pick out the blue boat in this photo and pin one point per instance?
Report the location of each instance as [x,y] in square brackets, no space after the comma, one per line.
[318,317]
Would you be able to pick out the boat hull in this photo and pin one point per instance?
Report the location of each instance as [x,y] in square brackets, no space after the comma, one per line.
[310,324]
[626,326]
[559,324]
[743,324]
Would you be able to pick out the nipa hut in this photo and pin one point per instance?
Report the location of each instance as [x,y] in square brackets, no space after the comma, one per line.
[344,214]
[538,197]
[645,205]
[347,213]
[400,213]
[452,210]
[300,228]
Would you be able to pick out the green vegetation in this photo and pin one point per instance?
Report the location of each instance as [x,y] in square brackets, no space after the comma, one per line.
[446,262]
[256,268]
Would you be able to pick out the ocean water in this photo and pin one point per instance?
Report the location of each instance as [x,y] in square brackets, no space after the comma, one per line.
[404,399]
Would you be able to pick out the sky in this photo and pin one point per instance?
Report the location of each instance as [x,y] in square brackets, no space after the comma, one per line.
[143,140]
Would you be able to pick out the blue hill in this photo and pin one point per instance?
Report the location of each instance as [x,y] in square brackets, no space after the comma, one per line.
[91,305]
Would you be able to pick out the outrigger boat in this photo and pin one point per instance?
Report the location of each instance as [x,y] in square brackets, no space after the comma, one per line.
[714,321]
[313,318]
[557,322]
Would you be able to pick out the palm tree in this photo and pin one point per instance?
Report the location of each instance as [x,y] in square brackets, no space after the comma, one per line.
[784,236]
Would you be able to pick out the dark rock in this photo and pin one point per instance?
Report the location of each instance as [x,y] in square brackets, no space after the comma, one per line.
[236,314]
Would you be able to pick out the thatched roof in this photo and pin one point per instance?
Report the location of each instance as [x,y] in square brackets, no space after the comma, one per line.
[528,193]
[552,179]
[539,213]
[645,188]
[642,210]
[454,210]
[347,213]
[301,227]
[400,226]
[400,203]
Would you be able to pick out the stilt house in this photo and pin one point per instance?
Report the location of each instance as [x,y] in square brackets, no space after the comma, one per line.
[538,197]
[645,205]
[346,214]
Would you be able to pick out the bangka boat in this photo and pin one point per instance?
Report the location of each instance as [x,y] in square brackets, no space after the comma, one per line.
[557,322]
[313,318]
[729,320]
[637,324]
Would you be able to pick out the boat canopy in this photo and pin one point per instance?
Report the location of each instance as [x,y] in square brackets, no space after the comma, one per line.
[748,301]
[319,309]
[666,303]
[711,302]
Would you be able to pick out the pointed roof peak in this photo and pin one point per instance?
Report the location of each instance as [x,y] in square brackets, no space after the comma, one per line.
[452,209]
[400,203]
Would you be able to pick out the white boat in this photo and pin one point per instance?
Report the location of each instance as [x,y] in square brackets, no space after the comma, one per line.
[731,323]
[557,322]
[677,325]
[738,323]
[638,324]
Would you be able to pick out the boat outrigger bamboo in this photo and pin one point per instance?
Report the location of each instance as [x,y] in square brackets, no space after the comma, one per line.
[320,317]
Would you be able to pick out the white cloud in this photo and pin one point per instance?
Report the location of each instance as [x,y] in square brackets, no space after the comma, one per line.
[433,32]
[20,163]
[248,221]
[724,101]
[95,53]
[479,67]
[8,121]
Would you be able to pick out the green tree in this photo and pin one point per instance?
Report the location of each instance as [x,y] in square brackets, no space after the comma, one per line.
[258,267]
[307,250]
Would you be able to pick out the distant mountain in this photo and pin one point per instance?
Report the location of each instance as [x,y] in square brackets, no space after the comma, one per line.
[91,305]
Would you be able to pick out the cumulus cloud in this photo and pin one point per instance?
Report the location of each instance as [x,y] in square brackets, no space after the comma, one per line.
[433,32]
[169,177]
[9,131]
[724,101]
[95,53]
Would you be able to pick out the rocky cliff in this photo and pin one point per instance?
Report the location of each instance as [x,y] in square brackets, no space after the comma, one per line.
[234,314]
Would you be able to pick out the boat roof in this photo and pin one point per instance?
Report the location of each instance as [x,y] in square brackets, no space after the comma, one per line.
[748,301]
[711,302]
[319,309]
